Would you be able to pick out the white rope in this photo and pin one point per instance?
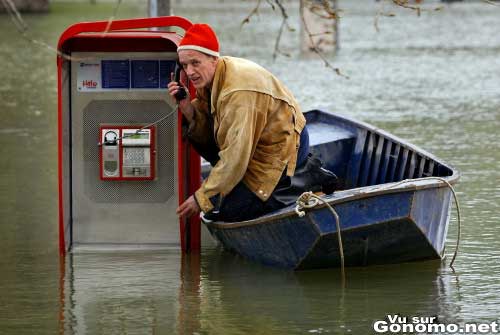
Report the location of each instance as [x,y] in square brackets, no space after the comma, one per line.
[459,221]
[309,200]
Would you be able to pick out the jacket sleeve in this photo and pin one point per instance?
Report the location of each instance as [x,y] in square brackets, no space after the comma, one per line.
[240,126]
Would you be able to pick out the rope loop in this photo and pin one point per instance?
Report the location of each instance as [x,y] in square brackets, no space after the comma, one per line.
[308,200]
[455,198]
[305,200]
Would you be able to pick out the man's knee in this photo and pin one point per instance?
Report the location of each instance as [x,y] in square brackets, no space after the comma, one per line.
[239,205]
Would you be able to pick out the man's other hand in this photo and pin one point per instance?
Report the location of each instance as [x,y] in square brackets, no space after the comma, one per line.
[188,208]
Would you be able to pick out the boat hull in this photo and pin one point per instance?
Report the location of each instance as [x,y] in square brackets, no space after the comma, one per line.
[376,229]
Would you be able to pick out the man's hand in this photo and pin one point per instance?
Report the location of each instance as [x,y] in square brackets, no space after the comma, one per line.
[185,104]
[188,208]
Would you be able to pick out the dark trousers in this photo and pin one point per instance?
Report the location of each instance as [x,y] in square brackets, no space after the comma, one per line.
[241,203]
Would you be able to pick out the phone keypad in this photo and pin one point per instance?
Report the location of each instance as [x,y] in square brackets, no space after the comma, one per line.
[134,156]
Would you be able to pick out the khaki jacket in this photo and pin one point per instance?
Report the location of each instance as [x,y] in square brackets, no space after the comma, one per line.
[257,126]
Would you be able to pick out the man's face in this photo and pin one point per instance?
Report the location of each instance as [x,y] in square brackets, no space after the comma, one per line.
[199,67]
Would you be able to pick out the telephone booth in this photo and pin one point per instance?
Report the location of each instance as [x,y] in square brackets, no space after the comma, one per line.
[123,164]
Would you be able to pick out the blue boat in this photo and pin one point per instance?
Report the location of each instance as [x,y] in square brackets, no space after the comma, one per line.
[393,205]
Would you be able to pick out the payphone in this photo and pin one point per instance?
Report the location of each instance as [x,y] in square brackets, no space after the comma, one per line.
[127,153]
[123,164]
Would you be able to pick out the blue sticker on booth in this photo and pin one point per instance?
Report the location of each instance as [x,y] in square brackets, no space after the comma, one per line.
[166,68]
[145,74]
[115,74]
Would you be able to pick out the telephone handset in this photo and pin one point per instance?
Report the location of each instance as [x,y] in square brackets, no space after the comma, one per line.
[181,93]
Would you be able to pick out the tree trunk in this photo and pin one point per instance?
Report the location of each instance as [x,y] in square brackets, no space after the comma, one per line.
[319,29]
[159,8]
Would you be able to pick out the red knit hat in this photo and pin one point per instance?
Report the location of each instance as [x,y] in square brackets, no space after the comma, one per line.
[202,38]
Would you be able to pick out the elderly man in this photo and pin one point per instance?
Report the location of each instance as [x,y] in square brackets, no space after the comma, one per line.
[246,123]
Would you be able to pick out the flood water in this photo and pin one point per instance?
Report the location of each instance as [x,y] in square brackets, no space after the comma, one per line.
[433,80]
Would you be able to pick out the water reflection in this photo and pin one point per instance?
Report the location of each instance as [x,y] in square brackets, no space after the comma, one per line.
[116,293]
[275,301]
[190,300]
[220,293]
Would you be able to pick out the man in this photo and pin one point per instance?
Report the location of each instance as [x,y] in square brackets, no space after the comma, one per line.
[245,122]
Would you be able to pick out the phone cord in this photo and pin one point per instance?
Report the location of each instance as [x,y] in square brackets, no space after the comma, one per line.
[176,108]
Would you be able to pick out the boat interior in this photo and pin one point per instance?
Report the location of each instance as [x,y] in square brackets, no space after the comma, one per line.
[362,155]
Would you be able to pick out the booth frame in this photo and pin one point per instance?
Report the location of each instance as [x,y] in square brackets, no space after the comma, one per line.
[96,35]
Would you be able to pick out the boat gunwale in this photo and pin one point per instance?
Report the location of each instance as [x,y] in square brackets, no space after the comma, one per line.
[341,197]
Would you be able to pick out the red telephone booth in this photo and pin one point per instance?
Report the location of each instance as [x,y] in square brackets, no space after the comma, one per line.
[123,164]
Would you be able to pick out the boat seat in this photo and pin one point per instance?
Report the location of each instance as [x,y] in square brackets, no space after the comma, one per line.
[333,145]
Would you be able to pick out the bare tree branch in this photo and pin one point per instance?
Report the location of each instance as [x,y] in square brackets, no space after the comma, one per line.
[492,2]
[271,4]
[23,28]
[380,13]
[277,49]
[323,33]
[284,23]
[254,11]
[15,16]
[403,4]
[318,10]
[418,9]
[324,7]
[313,45]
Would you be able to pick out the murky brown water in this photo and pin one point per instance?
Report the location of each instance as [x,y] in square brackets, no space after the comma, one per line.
[432,80]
